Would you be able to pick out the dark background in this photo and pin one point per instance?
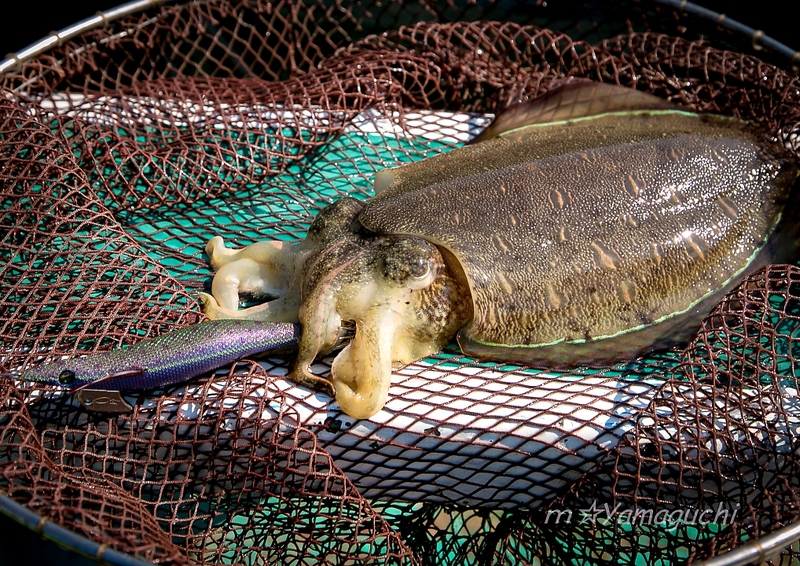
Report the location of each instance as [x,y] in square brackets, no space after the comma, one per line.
[23,22]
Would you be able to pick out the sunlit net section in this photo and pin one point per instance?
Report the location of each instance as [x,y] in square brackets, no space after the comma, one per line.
[125,150]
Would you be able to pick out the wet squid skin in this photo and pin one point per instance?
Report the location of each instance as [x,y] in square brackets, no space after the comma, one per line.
[597,235]
[405,300]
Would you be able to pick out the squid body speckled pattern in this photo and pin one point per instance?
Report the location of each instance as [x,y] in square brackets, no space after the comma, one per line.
[593,224]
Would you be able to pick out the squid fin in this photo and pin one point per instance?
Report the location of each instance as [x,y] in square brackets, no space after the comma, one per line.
[570,100]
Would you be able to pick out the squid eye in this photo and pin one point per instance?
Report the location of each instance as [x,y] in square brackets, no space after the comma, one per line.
[66,377]
[418,273]
[419,269]
[409,261]
[422,275]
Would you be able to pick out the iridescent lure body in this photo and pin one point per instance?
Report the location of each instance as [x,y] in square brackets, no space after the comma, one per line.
[170,358]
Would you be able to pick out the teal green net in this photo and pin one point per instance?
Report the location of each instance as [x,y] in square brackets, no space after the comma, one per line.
[123,151]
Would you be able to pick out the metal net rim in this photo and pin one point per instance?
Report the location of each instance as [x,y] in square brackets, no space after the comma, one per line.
[12,61]
[759,39]
[63,537]
[55,38]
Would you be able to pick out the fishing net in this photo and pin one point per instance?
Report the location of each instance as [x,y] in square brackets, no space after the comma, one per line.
[124,150]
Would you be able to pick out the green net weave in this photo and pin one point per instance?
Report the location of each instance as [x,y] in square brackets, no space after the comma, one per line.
[124,150]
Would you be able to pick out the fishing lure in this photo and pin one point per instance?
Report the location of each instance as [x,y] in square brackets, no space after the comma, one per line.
[595,224]
[170,358]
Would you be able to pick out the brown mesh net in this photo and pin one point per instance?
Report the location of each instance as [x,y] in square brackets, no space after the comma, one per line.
[123,151]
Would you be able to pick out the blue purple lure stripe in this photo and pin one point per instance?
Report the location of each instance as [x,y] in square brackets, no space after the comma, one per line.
[170,358]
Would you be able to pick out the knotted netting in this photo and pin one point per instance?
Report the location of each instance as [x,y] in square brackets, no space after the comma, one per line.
[124,150]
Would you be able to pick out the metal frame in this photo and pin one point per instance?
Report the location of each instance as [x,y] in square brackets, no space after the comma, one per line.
[757,551]
[64,537]
[56,38]
[754,552]
[758,37]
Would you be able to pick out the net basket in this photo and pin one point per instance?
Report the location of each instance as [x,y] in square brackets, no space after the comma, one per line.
[125,148]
